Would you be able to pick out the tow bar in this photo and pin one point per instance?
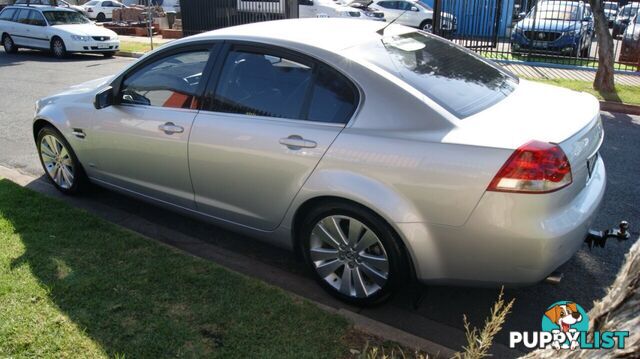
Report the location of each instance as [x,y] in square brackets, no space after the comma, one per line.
[599,238]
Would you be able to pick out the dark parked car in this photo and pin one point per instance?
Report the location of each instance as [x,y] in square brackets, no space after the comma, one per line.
[624,17]
[630,51]
[555,27]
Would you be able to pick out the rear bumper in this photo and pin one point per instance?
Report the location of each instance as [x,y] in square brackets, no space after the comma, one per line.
[512,239]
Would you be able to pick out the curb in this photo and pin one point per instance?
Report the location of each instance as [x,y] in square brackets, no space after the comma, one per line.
[134,55]
[224,257]
[619,107]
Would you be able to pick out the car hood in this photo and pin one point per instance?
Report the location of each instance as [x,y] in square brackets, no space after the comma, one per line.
[72,92]
[533,111]
[548,25]
[85,30]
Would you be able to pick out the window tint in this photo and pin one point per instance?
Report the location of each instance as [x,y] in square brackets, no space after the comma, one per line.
[35,18]
[262,85]
[403,5]
[169,82]
[389,4]
[7,14]
[452,76]
[333,98]
[23,17]
[305,2]
[106,4]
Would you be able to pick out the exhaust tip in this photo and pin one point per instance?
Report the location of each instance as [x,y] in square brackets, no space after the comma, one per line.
[554,278]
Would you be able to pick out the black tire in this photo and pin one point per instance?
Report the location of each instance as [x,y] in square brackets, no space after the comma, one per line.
[398,267]
[425,25]
[80,180]
[109,54]
[584,53]
[101,18]
[9,46]
[58,48]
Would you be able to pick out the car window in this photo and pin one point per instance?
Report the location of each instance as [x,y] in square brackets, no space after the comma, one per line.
[388,4]
[455,78]
[23,16]
[259,84]
[91,3]
[403,5]
[7,14]
[106,4]
[172,81]
[35,18]
[333,97]
[305,2]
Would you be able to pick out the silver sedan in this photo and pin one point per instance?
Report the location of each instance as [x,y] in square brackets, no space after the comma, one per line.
[380,153]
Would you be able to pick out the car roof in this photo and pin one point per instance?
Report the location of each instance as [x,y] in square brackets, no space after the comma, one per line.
[39,7]
[333,34]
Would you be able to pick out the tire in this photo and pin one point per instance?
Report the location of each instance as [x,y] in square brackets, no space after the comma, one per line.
[101,17]
[59,162]
[374,267]
[58,49]
[8,44]
[584,53]
[427,26]
[109,54]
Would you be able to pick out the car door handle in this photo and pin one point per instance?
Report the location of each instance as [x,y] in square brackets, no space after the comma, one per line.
[295,142]
[171,128]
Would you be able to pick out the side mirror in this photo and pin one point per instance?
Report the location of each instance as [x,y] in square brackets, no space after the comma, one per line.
[104,98]
[413,8]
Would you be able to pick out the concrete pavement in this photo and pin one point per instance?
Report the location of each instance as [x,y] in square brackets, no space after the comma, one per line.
[438,316]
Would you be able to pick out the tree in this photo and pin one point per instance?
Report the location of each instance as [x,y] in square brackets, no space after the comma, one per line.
[604,76]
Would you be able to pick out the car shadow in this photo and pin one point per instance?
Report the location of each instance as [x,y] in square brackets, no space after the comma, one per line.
[24,55]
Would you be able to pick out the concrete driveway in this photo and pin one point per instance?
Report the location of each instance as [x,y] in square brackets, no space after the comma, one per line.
[437,316]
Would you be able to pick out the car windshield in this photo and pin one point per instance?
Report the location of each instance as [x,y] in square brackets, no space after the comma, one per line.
[455,78]
[629,11]
[91,3]
[610,6]
[562,12]
[64,18]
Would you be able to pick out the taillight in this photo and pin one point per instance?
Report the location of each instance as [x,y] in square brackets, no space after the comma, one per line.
[536,167]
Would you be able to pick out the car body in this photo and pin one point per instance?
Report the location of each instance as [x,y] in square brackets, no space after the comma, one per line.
[611,11]
[624,17]
[401,134]
[48,28]
[555,27]
[415,13]
[101,10]
[630,50]
[49,3]
[330,8]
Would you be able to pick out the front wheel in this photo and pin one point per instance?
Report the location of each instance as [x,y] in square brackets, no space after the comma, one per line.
[427,26]
[60,162]
[8,44]
[353,254]
[58,48]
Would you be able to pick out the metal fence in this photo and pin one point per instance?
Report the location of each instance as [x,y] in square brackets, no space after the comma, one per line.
[204,15]
[549,31]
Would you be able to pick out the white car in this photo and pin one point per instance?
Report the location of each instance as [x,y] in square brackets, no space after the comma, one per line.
[51,28]
[414,13]
[58,3]
[101,10]
[331,8]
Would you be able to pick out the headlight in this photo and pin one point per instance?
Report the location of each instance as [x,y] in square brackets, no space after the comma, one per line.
[80,38]
[571,32]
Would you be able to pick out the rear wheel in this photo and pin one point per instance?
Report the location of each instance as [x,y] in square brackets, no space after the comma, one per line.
[58,49]
[8,44]
[101,17]
[353,254]
[60,162]
[427,26]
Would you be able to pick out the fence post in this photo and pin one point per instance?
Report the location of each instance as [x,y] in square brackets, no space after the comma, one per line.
[437,13]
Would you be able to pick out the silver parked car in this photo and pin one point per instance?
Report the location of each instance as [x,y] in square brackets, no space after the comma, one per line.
[379,154]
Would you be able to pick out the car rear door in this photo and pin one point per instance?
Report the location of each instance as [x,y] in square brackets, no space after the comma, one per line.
[268,118]
[21,26]
[140,144]
[7,21]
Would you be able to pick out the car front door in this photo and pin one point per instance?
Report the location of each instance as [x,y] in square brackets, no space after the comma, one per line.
[268,118]
[390,9]
[140,143]
[38,30]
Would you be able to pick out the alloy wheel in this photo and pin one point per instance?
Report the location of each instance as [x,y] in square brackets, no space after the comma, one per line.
[349,256]
[58,48]
[8,44]
[57,161]
[428,27]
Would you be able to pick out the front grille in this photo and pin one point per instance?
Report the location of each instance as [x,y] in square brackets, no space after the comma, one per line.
[100,38]
[542,35]
[99,48]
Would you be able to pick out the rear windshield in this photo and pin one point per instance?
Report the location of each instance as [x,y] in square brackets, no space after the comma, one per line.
[452,76]
[91,3]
